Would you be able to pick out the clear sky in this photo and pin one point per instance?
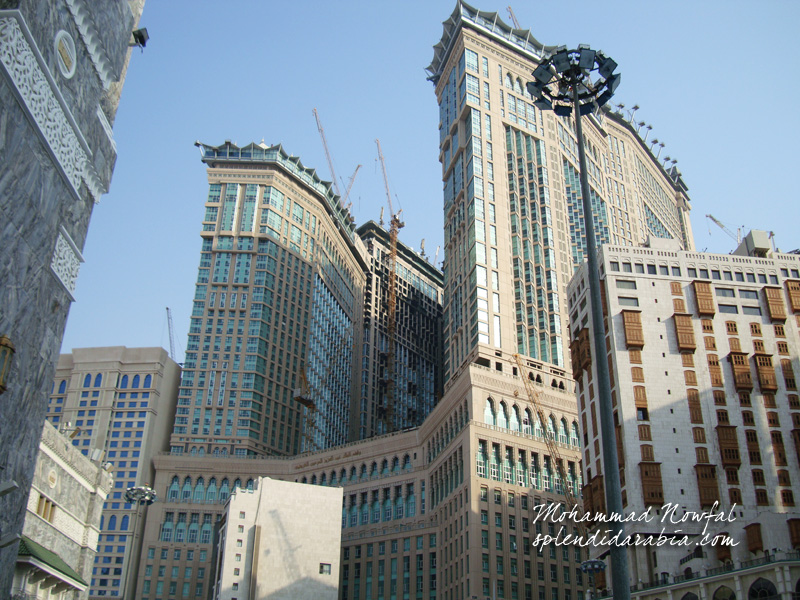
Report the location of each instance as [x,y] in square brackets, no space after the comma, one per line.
[717,80]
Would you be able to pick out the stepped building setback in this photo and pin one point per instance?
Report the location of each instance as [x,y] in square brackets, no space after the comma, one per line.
[704,353]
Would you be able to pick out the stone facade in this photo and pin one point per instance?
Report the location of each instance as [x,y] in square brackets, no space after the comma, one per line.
[57,63]
[704,351]
[448,507]
[63,515]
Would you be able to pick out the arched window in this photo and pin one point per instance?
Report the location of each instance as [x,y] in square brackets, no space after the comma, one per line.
[323,480]
[124,524]
[304,480]
[199,491]
[180,530]
[237,483]
[489,416]
[314,479]
[724,593]
[562,432]
[384,467]
[205,533]
[194,527]
[762,588]
[575,441]
[514,425]
[62,387]
[224,491]
[211,493]
[395,465]
[87,381]
[502,416]
[186,491]
[527,422]
[551,427]
[333,478]
[689,596]
[124,383]
[406,462]
[353,473]
[135,383]
[148,381]
[201,451]
[172,493]
[166,528]
[250,484]
[98,380]
[102,522]
[342,475]
[112,523]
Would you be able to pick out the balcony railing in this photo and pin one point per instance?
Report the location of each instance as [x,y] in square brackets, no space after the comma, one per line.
[727,568]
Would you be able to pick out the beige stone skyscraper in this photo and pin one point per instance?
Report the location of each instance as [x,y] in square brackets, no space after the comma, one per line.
[512,200]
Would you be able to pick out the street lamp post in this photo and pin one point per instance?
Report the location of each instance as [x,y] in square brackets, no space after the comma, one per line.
[139,495]
[562,83]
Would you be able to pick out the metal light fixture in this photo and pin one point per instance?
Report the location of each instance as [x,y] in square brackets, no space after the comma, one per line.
[140,37]
[573,89]
[138,495]
[7,352]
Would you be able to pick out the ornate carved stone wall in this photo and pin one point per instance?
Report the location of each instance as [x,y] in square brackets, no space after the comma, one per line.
[59,63]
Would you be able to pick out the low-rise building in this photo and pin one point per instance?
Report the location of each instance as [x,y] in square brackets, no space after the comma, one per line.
[62,522]
[279,540]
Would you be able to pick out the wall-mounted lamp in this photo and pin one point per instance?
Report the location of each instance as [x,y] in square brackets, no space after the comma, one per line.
[140,37]
[7,351]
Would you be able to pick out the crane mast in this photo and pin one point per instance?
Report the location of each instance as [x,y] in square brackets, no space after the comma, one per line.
[328,155]
[395,224]
[552,448]
[171,334]
[513,17]
[736,236]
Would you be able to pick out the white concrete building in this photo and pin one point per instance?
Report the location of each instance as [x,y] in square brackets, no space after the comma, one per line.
[703,352]
[280,540]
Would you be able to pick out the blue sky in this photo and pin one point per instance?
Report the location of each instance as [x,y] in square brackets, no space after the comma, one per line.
[713,77]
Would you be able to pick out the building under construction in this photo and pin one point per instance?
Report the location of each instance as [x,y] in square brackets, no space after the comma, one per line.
[401,394]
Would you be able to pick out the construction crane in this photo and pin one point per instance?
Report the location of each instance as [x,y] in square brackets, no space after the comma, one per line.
[328,154]
[513,17]
[555,455]
[350,184]
[311,429]
[171,334]
[736,236]
[395,224]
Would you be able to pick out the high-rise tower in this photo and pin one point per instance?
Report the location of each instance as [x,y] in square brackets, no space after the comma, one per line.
[511,190]
[279,297]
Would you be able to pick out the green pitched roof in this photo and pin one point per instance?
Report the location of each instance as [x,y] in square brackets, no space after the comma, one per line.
[27,547]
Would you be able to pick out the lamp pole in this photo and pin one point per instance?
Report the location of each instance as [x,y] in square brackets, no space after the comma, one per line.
[139,495]
[562,82]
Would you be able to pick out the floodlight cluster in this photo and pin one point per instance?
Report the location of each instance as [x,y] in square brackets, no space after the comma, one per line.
[567,74]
